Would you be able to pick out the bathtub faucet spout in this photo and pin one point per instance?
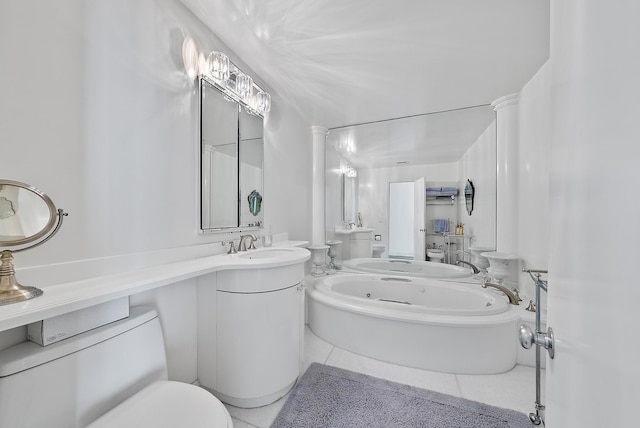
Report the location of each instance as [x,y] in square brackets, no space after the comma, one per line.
[471,265]
[513,299]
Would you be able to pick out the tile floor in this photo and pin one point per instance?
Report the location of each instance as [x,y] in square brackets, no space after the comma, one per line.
[514,389]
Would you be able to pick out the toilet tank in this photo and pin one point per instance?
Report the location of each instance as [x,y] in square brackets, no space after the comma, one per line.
[73,382]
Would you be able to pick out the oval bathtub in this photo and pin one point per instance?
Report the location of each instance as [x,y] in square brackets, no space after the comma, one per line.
[407,267]
[416,322]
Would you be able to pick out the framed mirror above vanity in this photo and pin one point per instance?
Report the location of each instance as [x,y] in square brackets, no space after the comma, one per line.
[232,161]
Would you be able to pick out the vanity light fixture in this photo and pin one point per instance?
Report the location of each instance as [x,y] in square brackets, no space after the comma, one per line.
[348,171]
[244,85]
[237,85]
[219,65]
[263,101]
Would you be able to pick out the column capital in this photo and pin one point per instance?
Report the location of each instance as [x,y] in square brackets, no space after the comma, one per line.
[507,100]
[316,129]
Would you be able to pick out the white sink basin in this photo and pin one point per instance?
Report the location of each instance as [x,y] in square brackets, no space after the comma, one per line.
[267,253]
[264,269]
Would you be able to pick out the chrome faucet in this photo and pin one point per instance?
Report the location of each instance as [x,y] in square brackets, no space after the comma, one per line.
[474,267]
[242,246]
[513,299]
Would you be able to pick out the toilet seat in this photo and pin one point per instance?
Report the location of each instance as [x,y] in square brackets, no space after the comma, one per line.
[168,404]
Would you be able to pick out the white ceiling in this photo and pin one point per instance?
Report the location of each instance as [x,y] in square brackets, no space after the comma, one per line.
[346,62]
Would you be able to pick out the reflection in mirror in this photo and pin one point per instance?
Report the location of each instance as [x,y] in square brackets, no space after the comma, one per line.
[469,191]
[28,218]
[231,162]
[219,140]
[445,147]
[251,169]
[349,199]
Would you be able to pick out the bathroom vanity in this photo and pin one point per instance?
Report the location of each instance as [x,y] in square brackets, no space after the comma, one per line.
[356,242]
[251,327]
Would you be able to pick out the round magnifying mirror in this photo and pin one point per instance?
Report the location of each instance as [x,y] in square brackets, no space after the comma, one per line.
[28,218]
[26,213]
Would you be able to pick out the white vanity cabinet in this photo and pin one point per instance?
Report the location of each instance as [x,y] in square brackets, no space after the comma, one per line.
[250,333]
[356,243]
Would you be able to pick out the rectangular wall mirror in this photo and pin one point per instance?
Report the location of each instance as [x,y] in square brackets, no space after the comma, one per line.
[231,142]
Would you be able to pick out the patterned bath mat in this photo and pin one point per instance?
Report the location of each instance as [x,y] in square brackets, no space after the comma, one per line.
[329,397]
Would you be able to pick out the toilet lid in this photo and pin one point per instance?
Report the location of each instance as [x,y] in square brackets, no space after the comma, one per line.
[168,404]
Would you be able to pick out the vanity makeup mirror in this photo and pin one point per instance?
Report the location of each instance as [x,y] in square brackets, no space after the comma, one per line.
[231,162]
[28,218]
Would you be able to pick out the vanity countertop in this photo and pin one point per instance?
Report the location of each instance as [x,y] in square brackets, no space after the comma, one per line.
[351,231]
[78,294]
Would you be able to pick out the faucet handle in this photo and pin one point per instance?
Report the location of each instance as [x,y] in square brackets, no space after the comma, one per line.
[517,294]
[232,247]
[252,245]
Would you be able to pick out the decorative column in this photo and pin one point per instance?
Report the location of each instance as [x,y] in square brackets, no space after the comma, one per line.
[318,185]
[507,130]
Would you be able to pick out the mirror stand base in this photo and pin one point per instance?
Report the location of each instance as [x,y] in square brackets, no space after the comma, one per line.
[10,290]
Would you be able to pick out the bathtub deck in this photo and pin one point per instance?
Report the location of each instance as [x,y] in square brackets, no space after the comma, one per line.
[514,389]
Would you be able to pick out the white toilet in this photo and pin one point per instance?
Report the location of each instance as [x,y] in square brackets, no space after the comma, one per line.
[112,376]
[435,255]
[377,250]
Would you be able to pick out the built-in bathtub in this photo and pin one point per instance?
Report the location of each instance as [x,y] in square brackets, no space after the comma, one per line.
[407,267]
[417,322]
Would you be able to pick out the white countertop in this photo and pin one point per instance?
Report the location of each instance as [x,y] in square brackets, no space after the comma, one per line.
[70,296]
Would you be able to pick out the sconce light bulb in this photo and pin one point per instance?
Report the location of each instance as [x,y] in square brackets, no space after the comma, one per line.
[244,85]
[263,102]
[219,65]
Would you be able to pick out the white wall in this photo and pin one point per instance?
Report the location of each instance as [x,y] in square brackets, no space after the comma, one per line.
[98,112]
[478,164]
[533,178]
[101,115]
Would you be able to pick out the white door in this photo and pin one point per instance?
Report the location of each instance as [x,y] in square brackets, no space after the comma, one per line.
[594,285]
[419,226]
[401,230]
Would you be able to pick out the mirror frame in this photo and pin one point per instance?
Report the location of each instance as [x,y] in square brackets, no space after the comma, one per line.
[239,200]
[48,227]
[469,195]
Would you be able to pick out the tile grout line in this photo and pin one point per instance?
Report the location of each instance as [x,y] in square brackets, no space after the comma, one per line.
[458,385]
[329,354]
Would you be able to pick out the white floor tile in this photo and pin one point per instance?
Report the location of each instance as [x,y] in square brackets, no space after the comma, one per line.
[435,381]
[316,350]
[259,417]
[514,389]
[241,424]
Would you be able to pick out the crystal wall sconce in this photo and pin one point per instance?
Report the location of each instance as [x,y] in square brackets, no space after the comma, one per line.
[237,85]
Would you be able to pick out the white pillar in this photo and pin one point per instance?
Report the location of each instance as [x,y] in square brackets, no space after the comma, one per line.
[507,130]
[318,185]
